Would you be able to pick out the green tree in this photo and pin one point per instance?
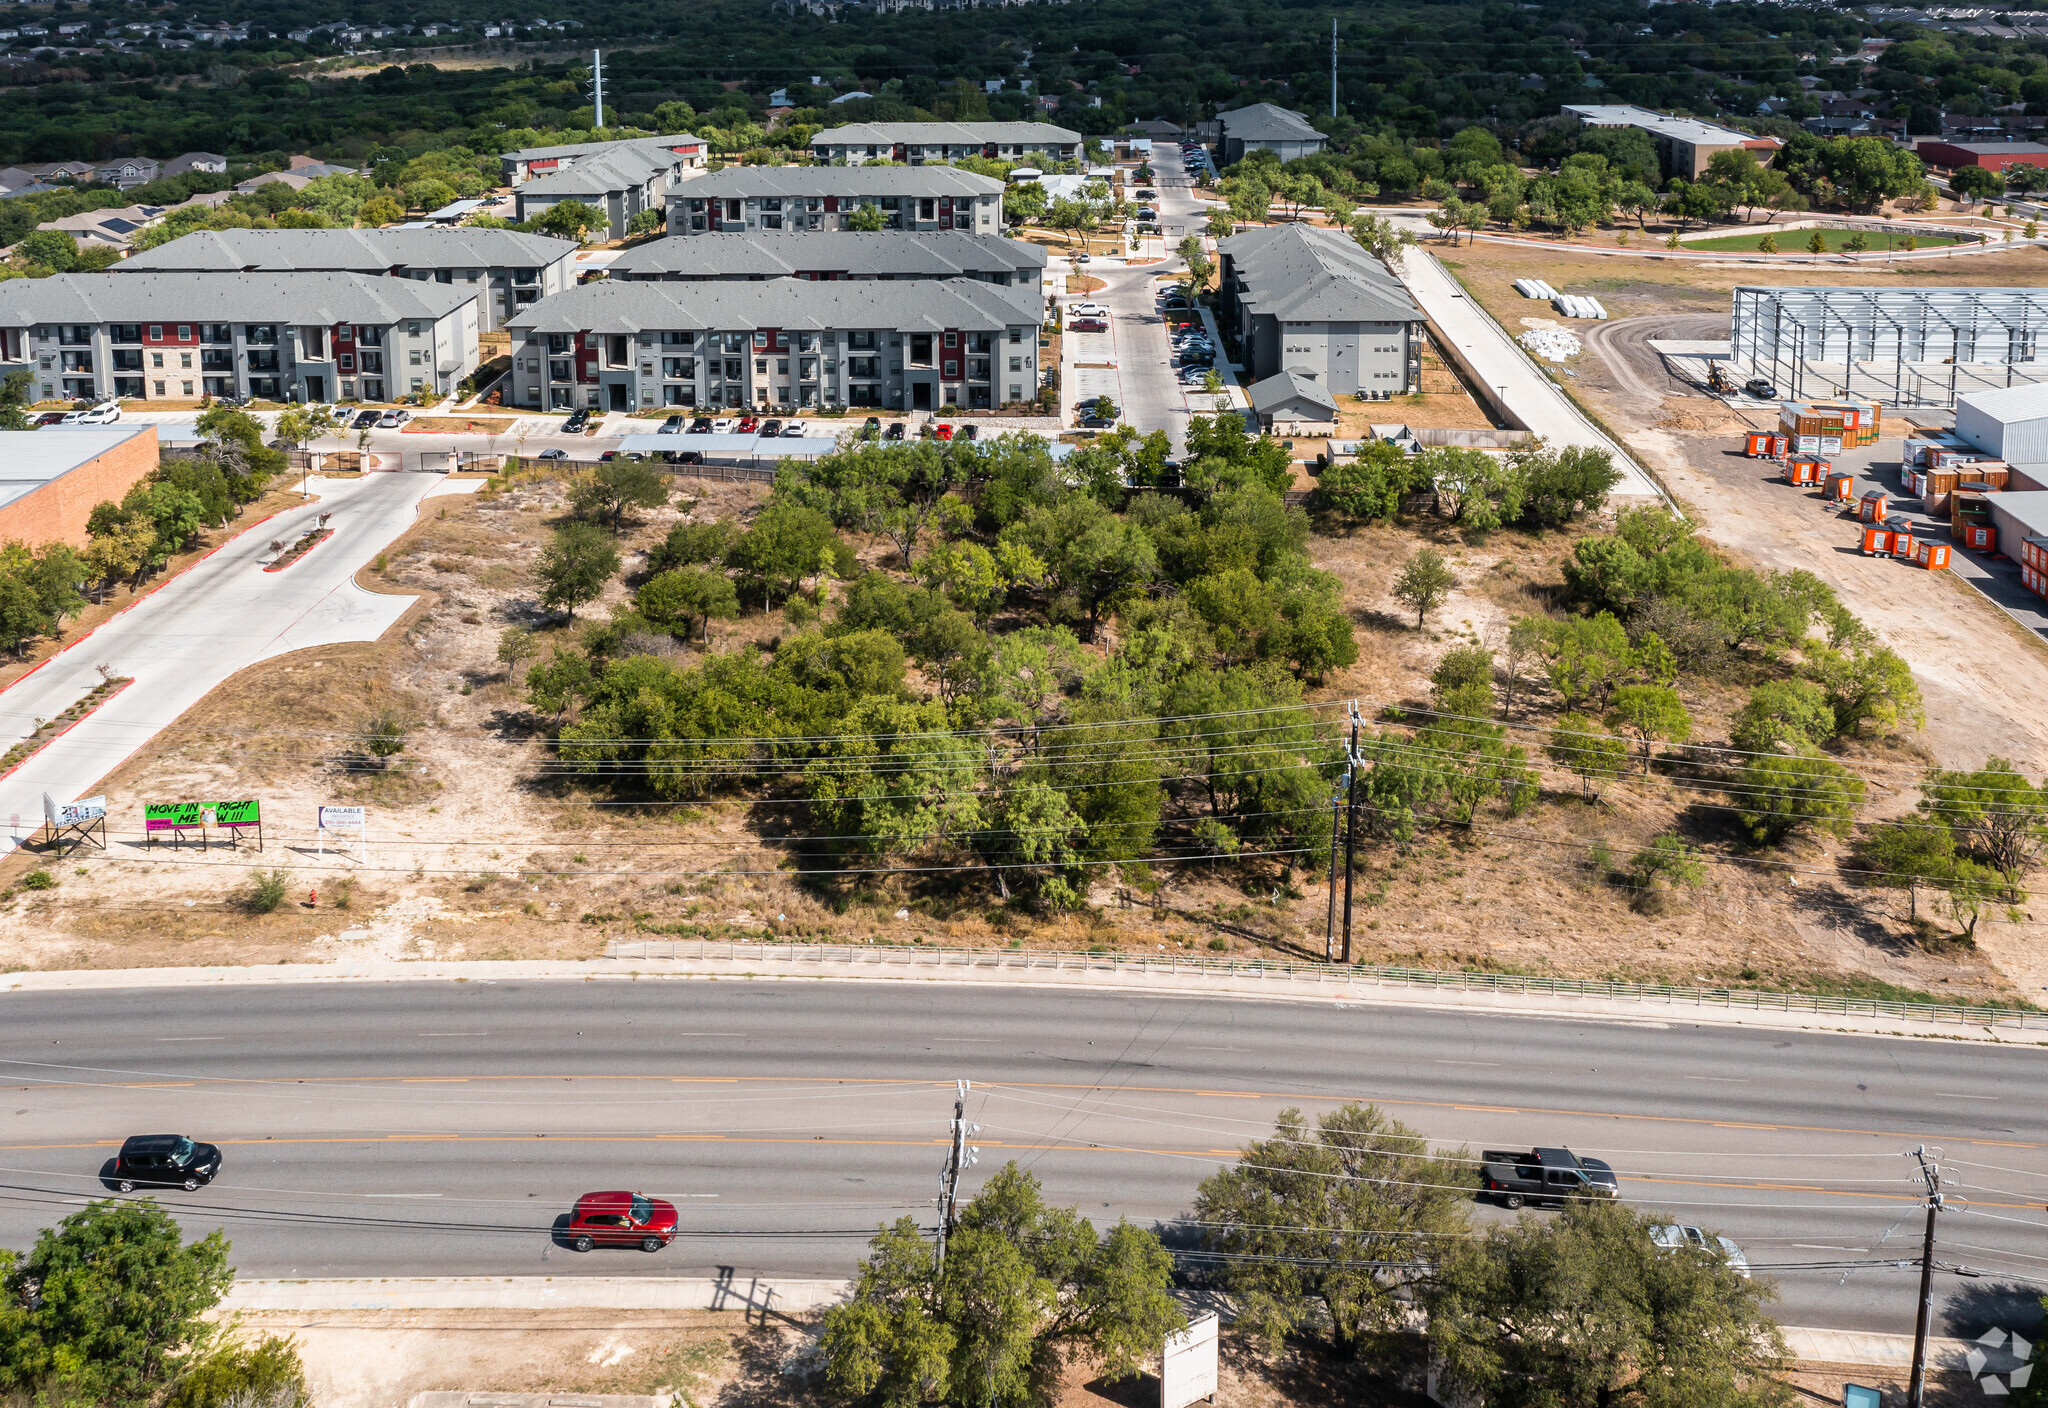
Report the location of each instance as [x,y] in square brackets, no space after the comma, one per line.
[1777,794]
[685,594]
[786,545]
[1371,485]
[1649,712]
[1867,687]
[264,1375]
[1424,582]
[16,393]
[1298,1225]
[1626,1323]
[1585,656]
[1026,1291]
[1973,183]
[1196,257]
[53,249]
[868,217]
[1781,712]
[1580,745]
[1906,855]
[615,488]
[1993,812]
[516,646]
[1093,560]
[575,567]
[1022,202]
[689,544]
[109,1306]
[566,219]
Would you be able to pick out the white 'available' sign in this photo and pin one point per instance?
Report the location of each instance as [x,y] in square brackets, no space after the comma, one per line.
[1187,1367]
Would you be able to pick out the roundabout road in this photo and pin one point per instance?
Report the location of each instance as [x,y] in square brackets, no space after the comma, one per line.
[431,1129]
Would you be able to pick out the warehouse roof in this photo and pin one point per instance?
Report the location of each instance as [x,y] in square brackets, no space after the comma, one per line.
[804,305]
[359,251]
[751,254]
[1303,272]
[1662,124]
[1991,148]
[29,459]
[2006,404]
[749,182]
[955,134]
[312,298]
[1267,122]
[582,149]
[2028,509]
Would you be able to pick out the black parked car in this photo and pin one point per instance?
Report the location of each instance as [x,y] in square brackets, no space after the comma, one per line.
[575,423]
[1761,389]
[700,426]
[165,1161]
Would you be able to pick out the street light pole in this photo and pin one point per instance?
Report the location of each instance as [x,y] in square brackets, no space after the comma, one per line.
[1930,1171]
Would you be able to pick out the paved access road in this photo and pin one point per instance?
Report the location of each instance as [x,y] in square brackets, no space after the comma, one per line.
[219,616]
[428,1129]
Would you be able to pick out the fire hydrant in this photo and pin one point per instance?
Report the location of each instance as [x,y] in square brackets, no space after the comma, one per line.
[312,899]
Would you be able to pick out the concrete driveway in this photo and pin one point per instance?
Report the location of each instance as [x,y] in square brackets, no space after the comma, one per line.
[220,616]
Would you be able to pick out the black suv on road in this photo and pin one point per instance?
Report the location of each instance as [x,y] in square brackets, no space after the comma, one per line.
[165,1161]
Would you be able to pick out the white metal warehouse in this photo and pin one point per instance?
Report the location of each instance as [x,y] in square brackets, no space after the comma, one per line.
[1901,346]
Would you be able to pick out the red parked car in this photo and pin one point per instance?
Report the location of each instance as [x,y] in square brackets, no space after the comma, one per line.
[622,1220]
[749,425]
[942,431]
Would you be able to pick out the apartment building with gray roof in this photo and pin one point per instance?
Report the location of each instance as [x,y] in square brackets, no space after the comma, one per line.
[274,336]
[1303,299]
[836,255]
[505,270]
[620,179]
[1265,127]
[916,143]
[807,199]
[778,344]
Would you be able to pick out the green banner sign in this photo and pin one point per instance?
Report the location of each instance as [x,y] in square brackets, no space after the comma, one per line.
[178,816]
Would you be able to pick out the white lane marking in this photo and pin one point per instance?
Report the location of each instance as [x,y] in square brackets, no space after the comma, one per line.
[1817,1247]
[1952,1095]
[710,1033]
[956,1040]
[454,1033]
[191,1038]
[1217,1048]
[1467,1063]
[401,1195]
[1721,1080]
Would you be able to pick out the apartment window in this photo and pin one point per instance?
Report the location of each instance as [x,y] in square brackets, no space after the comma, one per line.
[184,332]
[734,368]
[1016,392]
[678,339]
[678,368]
[412,329]
[184,361]
[782,366]
[952,370]
[348,361]
[558,342]
[258,335]
[159,387]
[156,359]
[370,362]
[369,337]
[1016,336]
[156,332]
[952,339]
[927,208]
[74,335]
[188,387]
[415,357]
[125,332]
[1016,364]
[559,371]
[760,366]
[862,340]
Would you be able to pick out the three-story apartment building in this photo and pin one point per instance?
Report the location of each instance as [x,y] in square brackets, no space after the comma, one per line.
[809,199]
[621,179]
[916,143]
[504,270]
[836,255]
[778,344]
[276,337]
[1297,298]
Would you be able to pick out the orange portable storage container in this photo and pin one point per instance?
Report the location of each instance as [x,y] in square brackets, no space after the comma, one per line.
[2034,580]
[1764,446]
[1803,469]
[2034,552]
[1980,537]
[1877,541]
[1871,507]
[1838,487]
[1930,555]
[1902,537]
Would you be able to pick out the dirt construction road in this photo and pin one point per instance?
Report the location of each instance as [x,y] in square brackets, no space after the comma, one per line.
[1985,681]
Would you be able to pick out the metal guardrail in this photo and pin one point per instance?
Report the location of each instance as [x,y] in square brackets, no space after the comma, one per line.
[1359,975]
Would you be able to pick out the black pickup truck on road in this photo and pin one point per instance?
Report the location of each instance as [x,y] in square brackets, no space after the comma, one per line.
[1516,1176]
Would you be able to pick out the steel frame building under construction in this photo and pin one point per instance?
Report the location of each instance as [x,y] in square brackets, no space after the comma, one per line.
[1902,346]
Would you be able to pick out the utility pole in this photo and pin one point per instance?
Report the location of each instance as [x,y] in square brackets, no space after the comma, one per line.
[1330,924]
[597,84]
[1333,65]
[1350,825]
[1930,1172]
[960,1156]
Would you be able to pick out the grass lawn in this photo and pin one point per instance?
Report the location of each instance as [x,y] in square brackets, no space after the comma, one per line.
[1794,241]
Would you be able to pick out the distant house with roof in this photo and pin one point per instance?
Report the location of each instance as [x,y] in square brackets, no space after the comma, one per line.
[212,162]
[1297,298]
[1294,402]
[1265,127]
[128,171]
[112,229]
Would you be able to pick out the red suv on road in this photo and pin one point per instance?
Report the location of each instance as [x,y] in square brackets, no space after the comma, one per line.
[622,1220]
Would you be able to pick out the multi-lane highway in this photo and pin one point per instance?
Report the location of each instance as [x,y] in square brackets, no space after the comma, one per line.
[423,1129]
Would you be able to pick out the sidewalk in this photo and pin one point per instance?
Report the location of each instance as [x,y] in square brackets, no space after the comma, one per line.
[533,1293]
[1878,1351]
[1506,375]
[780,963]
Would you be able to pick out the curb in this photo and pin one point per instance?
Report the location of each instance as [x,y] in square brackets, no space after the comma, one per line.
[108,699]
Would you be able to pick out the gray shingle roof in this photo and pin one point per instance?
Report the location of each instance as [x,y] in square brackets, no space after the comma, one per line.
[356,251]
[1307,273]
[748,182]
[314,299]
[1264,122]
[600,175]
[928,305]
[583,149]
[1278,391]
[953,134]
[939,255]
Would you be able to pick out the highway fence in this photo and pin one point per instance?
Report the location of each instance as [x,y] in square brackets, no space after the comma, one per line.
[1353,976]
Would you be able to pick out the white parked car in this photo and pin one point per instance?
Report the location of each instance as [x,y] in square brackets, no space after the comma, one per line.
[1675,1237]
[1087,310]
[105,413]
[725,425]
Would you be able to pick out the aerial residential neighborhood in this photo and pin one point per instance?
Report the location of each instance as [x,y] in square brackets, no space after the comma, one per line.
[902,703]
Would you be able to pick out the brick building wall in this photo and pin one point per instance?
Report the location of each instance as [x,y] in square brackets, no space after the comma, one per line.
[56,511]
